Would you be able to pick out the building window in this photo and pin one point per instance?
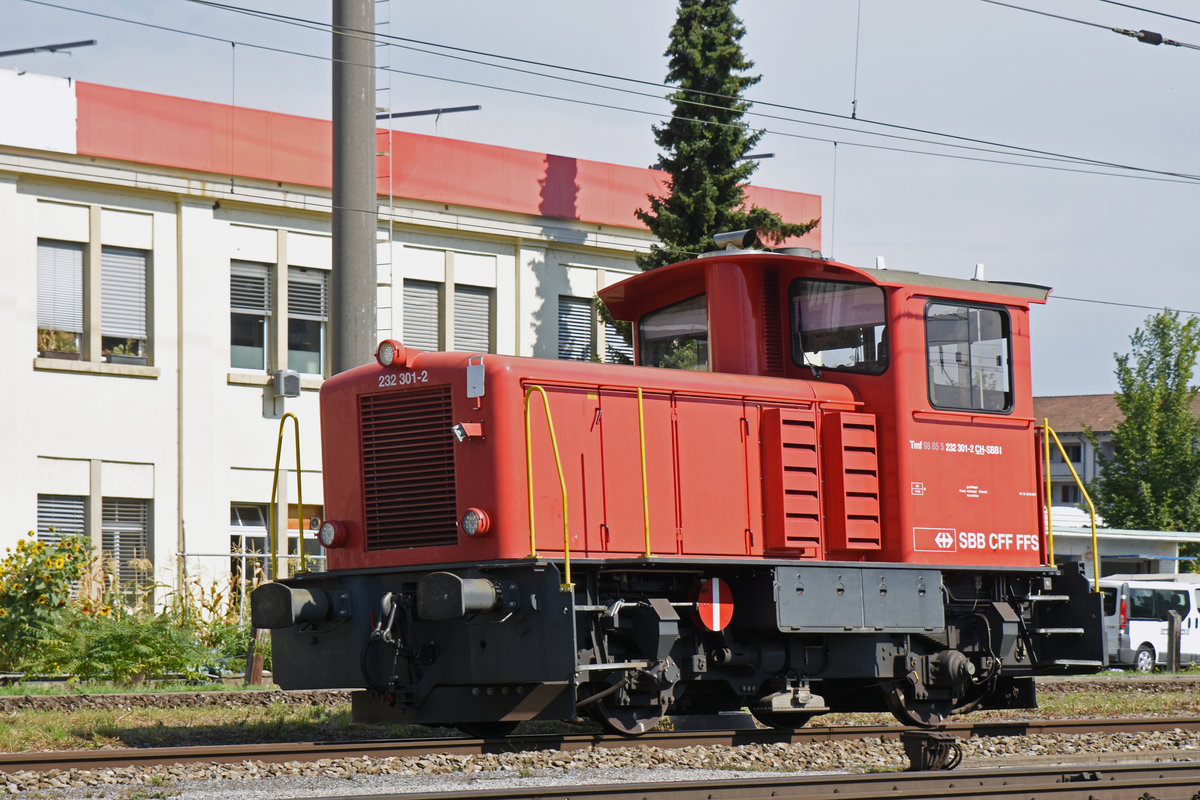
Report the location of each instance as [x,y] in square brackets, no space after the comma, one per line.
[123,328]
[125,542]
[123,324]
[616,349]
[577,323]
[247,542]
[575,328]
[1074,453]
[425,317]
[473,319]
[308,313]
[1068,494]
[60,515]
[60,299]
[422,314]
[968,352]
[250,315]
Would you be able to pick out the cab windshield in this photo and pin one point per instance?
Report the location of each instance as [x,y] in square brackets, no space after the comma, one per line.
[838,325]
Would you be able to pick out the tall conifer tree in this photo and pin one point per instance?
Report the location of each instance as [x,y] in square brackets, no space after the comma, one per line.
[705,141]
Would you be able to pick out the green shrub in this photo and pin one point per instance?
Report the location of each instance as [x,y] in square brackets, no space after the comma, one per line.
[35,591]
[118,644]
[63,612]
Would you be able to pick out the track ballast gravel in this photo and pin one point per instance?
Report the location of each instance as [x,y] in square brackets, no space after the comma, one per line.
[456,773]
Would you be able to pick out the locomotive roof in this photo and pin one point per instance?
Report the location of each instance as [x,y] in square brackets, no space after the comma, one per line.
[625,298]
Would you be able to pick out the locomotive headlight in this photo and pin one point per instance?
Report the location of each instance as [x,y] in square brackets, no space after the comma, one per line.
[389,352]
[331,534]
[475,522]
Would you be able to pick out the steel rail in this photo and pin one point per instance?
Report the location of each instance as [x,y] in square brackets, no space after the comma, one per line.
[313,751]
[1174,781]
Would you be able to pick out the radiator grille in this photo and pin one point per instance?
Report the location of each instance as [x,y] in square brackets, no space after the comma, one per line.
[408,469]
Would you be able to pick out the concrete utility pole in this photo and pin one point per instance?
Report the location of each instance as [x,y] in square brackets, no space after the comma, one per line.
[353,319]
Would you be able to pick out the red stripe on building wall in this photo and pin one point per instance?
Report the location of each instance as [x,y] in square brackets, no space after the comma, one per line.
[194,135]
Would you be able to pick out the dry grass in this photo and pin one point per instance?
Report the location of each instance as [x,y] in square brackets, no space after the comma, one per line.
[158,727]
[155,727]
[1122,703]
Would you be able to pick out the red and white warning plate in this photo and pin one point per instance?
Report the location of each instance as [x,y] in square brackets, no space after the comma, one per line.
[714,604]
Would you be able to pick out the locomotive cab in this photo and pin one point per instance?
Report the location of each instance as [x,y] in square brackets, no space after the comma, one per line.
[940,365]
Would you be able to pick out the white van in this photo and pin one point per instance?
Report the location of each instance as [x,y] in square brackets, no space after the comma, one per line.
[1135,619]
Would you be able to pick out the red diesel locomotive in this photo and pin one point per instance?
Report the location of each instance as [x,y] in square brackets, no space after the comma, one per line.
[830,503]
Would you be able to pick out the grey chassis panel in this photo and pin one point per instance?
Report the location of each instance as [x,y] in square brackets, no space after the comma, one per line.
[838,598]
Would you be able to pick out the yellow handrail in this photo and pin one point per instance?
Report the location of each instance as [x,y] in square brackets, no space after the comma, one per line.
[272,539]
[1046,494]
[645,493]
[1082,490]
[567,585]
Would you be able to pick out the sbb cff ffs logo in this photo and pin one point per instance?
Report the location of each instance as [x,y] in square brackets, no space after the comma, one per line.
[934,540]
[947,540]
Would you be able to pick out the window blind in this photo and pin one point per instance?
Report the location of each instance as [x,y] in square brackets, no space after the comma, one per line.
[250,288]
[308,294]
[58,516]
[473,318]
[616,349]
[422,315]
[123,293]
[574,328]
[60,286]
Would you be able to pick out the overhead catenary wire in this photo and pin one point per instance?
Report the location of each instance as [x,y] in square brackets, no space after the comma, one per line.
[857,42]
[1152,11]
[1147,37]
[983,145]
[1123,305]
[1139,173]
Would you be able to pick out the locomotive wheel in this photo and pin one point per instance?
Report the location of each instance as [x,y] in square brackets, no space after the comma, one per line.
[625,720]
[781,720]
[487,729]
[629,719]
[918,713]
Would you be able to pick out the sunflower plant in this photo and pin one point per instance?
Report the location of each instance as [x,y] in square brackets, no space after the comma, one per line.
[35,589]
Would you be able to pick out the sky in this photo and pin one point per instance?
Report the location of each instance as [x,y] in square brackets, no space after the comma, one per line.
[907,68]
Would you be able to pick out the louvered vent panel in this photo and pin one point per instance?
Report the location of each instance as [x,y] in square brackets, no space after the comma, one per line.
[772,329]
[851,475]
[791,481]
[408,469]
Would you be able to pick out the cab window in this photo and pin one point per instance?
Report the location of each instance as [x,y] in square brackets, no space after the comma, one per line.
[676,336]
[838,325]
[969,363]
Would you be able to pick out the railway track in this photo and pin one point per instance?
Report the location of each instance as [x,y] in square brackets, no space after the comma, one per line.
[1176,781]
[314,751]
